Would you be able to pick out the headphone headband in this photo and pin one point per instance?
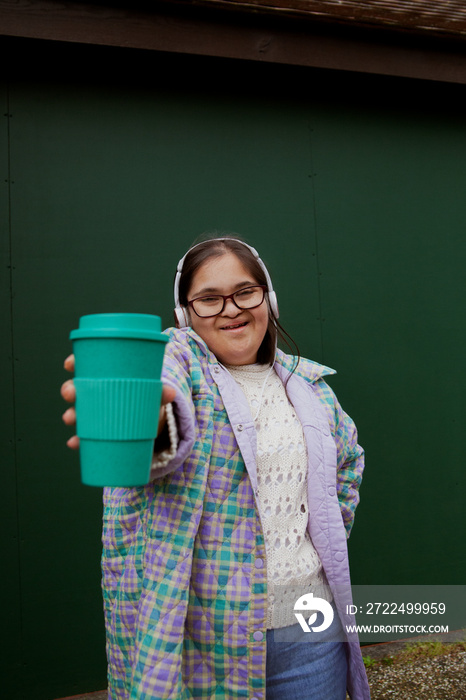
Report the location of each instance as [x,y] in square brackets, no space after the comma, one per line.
[181,312]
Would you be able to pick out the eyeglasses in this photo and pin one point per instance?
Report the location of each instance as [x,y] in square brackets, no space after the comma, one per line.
[212,305]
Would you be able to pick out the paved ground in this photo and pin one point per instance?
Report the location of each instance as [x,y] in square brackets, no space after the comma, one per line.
[99,695]
[381,651]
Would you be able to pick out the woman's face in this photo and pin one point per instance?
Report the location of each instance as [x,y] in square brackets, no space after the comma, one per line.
[235,335]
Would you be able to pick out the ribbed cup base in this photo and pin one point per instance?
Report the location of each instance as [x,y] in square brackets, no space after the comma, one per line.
[115,462]
[117,409]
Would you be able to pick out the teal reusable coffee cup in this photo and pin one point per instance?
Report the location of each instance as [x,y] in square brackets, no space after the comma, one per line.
[118,365]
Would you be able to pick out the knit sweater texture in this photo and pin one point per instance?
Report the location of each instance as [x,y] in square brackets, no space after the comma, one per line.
[293,565]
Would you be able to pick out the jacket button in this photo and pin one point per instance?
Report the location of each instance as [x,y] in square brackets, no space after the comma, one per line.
[258,636]
[339,556]
[239,427]
[331,490]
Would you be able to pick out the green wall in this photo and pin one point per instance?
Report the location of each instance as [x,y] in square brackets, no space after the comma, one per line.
[351,187]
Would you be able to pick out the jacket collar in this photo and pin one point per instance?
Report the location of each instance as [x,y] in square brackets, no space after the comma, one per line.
[191,338]
[307,369]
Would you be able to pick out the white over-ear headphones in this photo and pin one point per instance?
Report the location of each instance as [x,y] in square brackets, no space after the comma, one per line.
[181,312]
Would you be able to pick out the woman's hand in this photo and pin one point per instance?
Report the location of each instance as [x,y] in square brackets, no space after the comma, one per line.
[68,392]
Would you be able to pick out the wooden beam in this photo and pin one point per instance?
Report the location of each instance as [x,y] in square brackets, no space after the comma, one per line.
[428,17]
[176,28]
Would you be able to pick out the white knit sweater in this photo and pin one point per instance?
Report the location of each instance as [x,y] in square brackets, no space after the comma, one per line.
[293,565]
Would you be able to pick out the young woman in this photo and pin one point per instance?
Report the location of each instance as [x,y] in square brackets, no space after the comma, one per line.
[252,496]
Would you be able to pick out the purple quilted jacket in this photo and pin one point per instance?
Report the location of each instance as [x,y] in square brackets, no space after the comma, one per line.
[184,578]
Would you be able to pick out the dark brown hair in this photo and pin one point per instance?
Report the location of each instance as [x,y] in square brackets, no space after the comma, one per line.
[213,247]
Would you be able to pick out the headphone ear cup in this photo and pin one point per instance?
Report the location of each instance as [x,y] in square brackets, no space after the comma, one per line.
[181,317]
[273,304]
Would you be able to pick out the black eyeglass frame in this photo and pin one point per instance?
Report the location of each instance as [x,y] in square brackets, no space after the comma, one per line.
[229,296]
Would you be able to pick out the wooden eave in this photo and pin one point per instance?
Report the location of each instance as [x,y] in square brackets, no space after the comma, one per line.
[422,17]
[386,38]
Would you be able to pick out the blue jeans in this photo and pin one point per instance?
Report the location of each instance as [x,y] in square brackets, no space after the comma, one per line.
[303,669]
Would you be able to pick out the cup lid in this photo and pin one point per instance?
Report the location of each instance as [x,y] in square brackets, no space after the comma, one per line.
[143,326]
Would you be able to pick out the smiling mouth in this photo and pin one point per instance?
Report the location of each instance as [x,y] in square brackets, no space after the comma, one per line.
[233,326]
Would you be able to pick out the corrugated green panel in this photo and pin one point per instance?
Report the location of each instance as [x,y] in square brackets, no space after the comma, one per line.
[10,591]
[391,214]
[112,184]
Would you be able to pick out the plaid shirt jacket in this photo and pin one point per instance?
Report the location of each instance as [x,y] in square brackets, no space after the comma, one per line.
[184,574]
